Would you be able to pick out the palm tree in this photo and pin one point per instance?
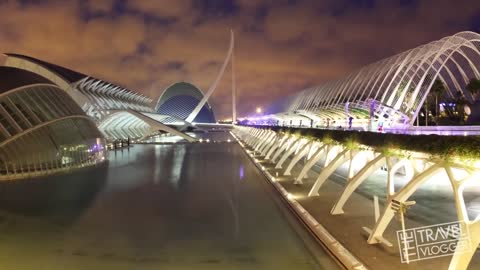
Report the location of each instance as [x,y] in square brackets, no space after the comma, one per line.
[438,89]
[473,87]
[460,103]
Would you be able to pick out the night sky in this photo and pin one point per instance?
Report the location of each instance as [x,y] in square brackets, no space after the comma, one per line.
[281,46]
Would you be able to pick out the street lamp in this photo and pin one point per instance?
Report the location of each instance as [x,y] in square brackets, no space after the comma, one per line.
[259,110]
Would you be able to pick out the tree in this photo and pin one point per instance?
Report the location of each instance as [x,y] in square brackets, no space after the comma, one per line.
[438,89]
[474,87]
[460,103]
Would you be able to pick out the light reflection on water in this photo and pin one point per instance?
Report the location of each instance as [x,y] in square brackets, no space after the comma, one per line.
[241,172]
[177,206]
[177,166]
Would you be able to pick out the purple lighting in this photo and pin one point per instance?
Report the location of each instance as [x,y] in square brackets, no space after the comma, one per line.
[241,172]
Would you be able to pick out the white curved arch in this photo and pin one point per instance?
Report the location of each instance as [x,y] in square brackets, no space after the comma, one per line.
[398,84]
[215,83]
[130,123]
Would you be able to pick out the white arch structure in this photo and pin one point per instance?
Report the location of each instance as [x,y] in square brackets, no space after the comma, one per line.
[104,96]
[362,162]
[42,130]
[202,102]
[394,89]
[132,124]
[118,112]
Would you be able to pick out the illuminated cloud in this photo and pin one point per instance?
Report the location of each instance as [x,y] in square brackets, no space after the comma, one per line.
[281,46]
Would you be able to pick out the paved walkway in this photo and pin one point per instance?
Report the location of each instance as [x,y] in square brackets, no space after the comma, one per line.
[347,228]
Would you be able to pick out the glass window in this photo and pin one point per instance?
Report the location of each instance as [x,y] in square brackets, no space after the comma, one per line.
[15,113]
[23,108]
[36,105]
[43,105]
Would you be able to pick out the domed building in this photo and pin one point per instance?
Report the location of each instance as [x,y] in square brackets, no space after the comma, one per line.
[180,99]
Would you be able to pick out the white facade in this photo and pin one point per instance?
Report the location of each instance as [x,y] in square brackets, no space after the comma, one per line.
[118,112]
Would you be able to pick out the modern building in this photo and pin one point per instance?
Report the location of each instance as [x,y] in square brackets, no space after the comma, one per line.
[389,93]
[120,113]
[180,99]
[42,129]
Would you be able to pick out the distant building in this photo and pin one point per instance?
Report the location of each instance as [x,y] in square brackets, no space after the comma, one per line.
[179,100]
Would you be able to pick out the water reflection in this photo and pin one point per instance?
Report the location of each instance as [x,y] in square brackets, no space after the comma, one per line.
[179,206]
[177,166]
[61,198]
[241,172]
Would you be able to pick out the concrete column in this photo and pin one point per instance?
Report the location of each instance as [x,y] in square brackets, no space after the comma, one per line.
[265,140]
[356,181]
[284,147]
[402,195]
[303,151]
[261,138]
[294,147]
[339,159]
[270,144]
[276,145]
[315,158]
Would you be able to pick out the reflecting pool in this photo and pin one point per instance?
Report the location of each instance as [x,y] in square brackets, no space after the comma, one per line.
[174,206]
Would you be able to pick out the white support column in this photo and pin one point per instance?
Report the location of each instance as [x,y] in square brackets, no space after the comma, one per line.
[267,142]
[270,144]
[253,136]
[303,151]
[350,163]
[392,170]
[259,139]
[249,135]
[291,150]
[276,145]
[461,258]
[284,146]
[402,195]
[331,152]
[264,140]
[313,149]
[257,133]
[315,158]
[356,181]
[328,170]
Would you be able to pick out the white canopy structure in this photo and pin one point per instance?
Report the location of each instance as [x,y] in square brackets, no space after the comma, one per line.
[391,91]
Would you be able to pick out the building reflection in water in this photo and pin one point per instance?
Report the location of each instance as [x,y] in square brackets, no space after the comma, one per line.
[177,165]
[60,198]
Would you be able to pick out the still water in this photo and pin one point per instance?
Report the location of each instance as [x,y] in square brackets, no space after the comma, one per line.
[176,206]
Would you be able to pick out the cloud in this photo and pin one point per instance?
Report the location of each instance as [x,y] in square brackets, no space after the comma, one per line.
[281,46]
[287,23]
[163,8]
[100,6]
